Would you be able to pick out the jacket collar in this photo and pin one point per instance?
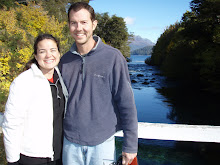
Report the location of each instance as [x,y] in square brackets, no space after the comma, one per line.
[38,72]
[73,49]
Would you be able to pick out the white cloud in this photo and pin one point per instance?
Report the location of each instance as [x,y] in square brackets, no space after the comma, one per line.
[129,20]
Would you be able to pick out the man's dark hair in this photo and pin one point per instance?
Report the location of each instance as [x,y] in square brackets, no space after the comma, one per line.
[82,5]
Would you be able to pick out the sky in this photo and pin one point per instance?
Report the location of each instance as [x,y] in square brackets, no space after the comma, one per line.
[146,18]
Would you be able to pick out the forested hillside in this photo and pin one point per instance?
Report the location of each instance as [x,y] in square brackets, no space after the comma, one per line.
[189,50]
[147,50]
[137,42]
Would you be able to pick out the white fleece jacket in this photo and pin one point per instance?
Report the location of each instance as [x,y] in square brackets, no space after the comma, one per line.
[28,117]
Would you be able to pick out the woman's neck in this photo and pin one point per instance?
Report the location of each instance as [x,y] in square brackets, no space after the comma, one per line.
[48,74]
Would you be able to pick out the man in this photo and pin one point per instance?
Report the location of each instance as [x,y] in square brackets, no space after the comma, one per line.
[100,100]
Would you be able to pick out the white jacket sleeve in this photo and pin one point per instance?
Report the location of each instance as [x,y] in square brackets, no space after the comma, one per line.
[13,122]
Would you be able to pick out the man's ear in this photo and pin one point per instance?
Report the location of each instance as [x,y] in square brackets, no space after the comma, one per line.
[94,23]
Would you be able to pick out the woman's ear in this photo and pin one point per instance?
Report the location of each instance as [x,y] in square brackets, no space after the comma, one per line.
[35,56]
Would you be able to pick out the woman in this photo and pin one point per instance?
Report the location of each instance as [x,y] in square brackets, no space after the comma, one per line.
[32,125]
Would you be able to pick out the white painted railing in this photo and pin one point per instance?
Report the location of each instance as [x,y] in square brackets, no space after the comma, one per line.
[177,132]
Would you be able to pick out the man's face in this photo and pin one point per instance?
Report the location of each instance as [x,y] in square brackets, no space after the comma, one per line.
[81,26]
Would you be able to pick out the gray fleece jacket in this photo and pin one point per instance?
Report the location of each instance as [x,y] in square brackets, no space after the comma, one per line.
[101,100]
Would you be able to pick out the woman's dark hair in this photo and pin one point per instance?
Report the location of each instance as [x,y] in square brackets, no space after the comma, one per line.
[38,39]
[81,5]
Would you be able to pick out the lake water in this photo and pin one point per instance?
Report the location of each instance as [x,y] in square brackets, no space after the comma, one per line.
[161,101]
[151,105]
[155,105]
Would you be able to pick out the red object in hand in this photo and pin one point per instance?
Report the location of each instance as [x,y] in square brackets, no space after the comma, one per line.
[134,162]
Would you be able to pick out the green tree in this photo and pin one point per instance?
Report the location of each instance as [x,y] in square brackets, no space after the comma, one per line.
[189,50]
[207,58]
[114,32]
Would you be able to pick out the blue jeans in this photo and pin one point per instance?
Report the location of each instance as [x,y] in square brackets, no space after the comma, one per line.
[102,154]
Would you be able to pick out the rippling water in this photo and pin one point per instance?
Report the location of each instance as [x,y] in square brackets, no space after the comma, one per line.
[151,105]
[154,107]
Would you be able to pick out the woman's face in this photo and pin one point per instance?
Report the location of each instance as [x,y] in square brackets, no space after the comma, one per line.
[48,55]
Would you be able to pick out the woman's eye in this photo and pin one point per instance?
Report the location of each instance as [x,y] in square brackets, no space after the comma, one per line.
[53,50]
[41,52]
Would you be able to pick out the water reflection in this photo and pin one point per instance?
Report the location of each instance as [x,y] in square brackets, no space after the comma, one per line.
[154,152]
[161,101]
[192,107]
[151,106]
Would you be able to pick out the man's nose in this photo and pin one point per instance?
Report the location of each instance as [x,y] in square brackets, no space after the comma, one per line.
[79,27]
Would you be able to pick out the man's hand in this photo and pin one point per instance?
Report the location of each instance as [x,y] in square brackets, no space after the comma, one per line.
[127,158]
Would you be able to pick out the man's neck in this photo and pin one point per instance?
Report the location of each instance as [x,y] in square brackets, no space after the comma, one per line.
[84,49]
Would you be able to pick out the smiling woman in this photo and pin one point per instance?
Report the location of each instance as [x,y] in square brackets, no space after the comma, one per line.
[34,97]
[47,56]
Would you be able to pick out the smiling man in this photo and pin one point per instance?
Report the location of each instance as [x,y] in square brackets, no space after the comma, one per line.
[101,100]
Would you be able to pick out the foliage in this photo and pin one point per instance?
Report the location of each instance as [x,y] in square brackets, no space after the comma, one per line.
[113,31]
[2,151]
[7,4]
[147,50]
[189,50]
[58,8]
[17,35]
